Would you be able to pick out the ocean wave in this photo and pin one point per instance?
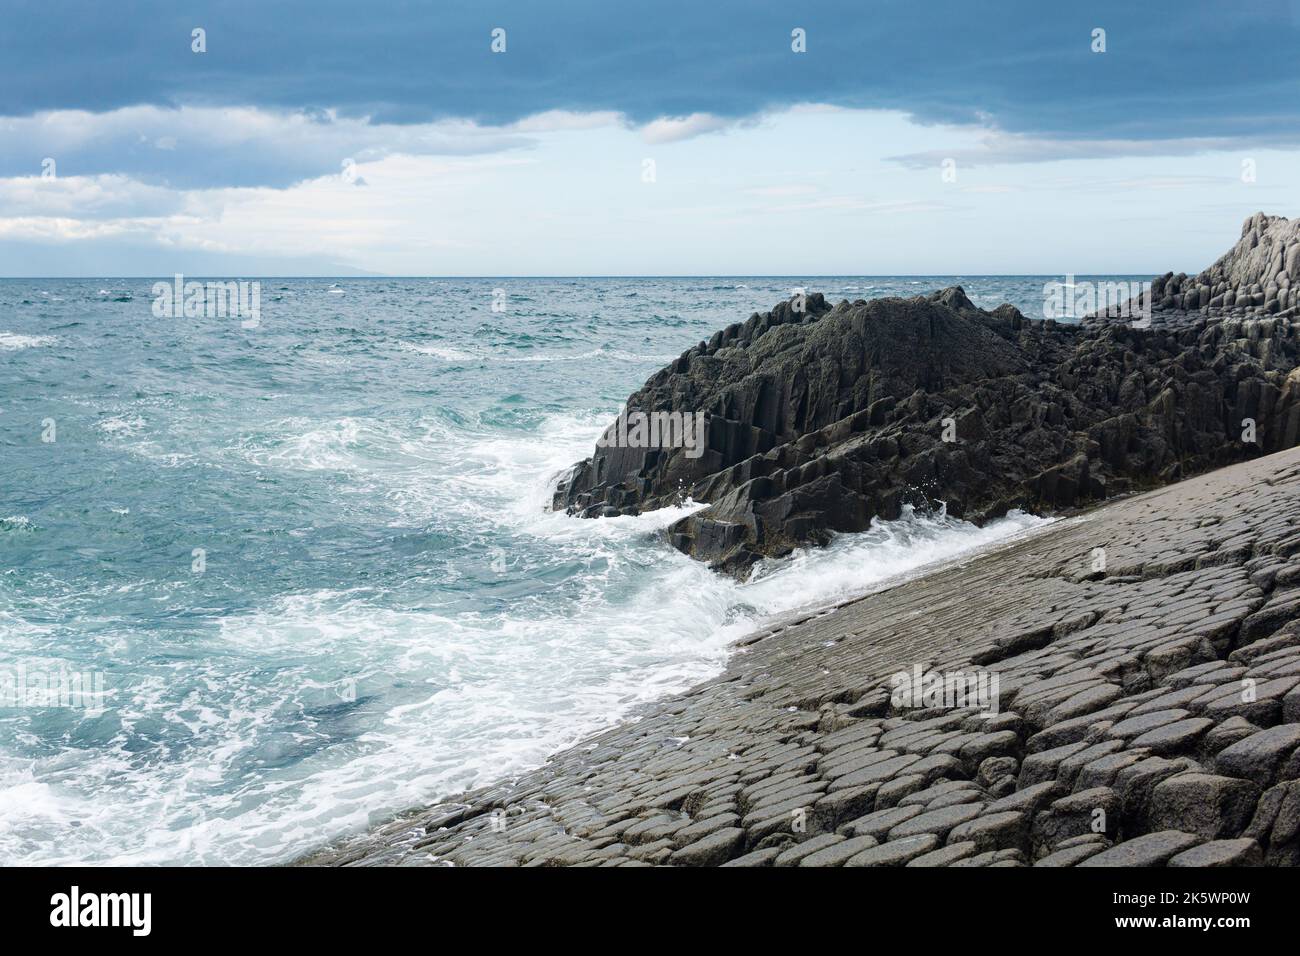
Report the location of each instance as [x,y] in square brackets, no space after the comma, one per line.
[457,355]
[437,351]
[12,341]
[121,425]
[390,611]
[336,704]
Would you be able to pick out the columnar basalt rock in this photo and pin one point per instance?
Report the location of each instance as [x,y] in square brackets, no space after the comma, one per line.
[820,420]
[1148,709]
[1258,276]
[1148,715]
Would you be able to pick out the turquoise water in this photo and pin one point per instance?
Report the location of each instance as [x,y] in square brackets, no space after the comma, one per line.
[310,561]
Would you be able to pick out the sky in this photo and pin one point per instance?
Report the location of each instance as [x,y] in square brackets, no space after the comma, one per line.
[568,137]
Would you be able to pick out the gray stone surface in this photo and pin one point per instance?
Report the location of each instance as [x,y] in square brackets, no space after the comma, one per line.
[1204,804]
[1151,849]
[1241,852]
[797,750]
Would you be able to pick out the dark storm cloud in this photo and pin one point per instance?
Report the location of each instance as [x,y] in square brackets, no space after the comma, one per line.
[1172,71]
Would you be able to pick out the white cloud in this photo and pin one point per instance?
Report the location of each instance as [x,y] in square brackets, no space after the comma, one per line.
[86,197]
[60,229]
[210,146]
[673,129]
[570,199]
[997,147]
[563,121]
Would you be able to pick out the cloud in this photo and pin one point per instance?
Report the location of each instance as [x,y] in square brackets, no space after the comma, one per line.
[1171,70]
[207,147]
[284,95]
[672,129]
[62,229]
[563,121]
[999,147]
[86,197]
[196,146]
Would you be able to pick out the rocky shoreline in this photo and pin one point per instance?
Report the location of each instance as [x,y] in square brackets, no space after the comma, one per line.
[1148,713]
[819,418]
[1120,689]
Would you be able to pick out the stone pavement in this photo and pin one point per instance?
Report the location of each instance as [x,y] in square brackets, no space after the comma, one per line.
[1147,665]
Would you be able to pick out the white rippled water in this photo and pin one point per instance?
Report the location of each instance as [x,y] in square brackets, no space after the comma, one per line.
[444,700]
[315,566]
[12,341]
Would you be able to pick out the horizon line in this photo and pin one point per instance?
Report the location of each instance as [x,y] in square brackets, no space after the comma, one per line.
[716,275]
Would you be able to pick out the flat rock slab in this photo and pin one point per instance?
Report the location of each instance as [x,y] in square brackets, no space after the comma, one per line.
[896,852]
[840,853]
[1241,852]
[714,849]
[1152,849]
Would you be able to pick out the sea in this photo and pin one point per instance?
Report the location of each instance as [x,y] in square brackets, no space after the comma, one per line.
[265,584]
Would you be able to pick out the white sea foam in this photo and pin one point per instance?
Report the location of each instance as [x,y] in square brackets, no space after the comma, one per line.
[446,354]
[324,447]
[619,355]
[13,342]
[425,701]
[121,425]
[458,355]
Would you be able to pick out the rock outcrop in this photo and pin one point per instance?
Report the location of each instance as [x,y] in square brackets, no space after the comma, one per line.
[820,418]
[1260,275]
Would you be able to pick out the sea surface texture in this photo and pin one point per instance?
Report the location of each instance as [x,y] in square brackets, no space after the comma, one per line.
[309,563]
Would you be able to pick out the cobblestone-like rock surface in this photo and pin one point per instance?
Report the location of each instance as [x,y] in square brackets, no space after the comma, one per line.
[1148,715]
